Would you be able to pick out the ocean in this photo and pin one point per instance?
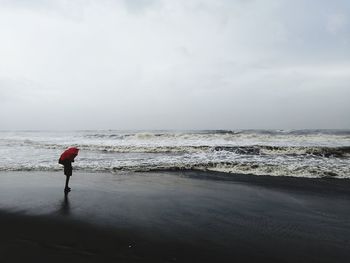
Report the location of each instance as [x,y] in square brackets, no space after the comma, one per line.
[298,153]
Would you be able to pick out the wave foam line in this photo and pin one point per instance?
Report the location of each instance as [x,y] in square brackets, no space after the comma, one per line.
[322,151]
[225,167]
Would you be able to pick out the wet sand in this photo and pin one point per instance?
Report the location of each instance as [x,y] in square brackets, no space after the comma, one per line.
[173,217]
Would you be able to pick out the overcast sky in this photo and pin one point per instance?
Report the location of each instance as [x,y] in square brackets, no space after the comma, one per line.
[174,64]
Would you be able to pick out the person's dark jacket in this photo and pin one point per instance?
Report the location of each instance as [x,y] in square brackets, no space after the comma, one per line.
[68,170]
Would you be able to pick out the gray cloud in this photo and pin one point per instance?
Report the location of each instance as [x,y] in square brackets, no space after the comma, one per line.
[174,64]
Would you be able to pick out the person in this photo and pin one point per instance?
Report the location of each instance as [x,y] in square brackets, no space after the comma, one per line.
[66,160]
[68,171]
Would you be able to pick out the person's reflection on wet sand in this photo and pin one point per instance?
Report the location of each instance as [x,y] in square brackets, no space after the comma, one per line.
[64,208]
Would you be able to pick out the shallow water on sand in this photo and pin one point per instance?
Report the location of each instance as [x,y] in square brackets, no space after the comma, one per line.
[196,215]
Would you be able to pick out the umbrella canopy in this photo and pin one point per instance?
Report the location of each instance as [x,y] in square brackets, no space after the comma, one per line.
[69,154]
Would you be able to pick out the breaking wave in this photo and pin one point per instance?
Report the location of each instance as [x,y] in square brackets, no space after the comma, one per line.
[317,153]
[288,150]
[224,167]
[343,151]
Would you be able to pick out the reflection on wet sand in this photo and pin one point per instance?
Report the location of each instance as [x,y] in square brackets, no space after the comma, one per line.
[64,208]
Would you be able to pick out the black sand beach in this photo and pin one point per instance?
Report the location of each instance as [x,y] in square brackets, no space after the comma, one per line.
[173,217]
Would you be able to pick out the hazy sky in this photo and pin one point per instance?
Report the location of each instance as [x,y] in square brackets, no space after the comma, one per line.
[174,64]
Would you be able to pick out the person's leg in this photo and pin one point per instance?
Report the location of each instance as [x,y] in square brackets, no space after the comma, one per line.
[66,188]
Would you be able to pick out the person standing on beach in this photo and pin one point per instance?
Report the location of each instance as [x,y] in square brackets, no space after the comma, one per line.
[66,160]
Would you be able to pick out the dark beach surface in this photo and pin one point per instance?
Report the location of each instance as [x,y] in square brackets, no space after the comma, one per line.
[173,217]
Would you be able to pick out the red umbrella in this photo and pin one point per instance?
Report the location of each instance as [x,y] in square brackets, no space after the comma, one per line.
[69,154]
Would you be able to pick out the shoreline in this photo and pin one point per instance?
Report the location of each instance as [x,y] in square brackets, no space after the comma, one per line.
[330,184]
[173,217]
